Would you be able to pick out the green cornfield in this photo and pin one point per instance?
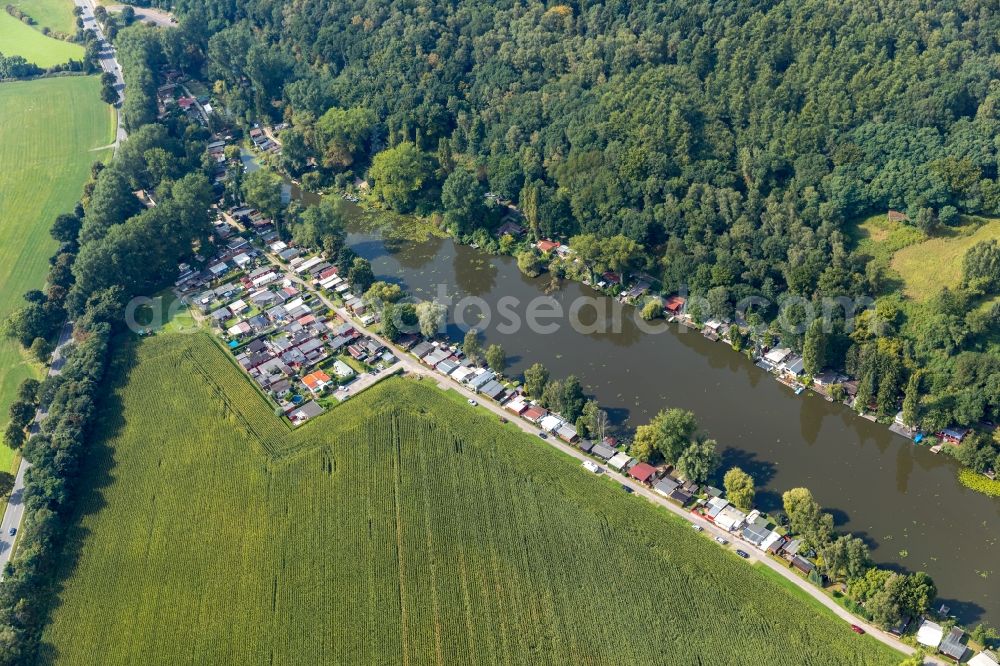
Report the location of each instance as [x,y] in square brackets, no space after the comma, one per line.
[402,527]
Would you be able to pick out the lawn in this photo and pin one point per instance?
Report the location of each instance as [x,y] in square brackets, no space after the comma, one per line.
[937,262]
[400,527]
[19,38]
[56,15]
[47,136]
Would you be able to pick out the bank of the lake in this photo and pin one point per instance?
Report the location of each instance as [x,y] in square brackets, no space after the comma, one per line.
[903,500]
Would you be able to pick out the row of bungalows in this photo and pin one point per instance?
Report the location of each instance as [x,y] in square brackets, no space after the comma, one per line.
[931,634]
[675,490]
[261,141]
[250,217]
[714,329]
[549,422]
[206,300]
[724,515]
[284,251]
[636,291]
[450,362]
[217,155]
[783,361]
[758,532]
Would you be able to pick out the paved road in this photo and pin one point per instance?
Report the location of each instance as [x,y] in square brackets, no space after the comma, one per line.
[414,366]
[108,61]
[14,512]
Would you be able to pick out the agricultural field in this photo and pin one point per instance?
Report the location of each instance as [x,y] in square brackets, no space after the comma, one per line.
[400,527]
[19,38]
[48,137]
[56,15]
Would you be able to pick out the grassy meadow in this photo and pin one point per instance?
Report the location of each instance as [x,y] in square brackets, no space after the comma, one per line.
[19,38]
[56,15]
[920,265]
[400,527]
[49,130]
[928,266]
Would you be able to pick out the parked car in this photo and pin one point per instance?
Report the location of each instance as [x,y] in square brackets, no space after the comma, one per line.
[12,531]
[697,528]
[627,489]
[542,435]
[721,540]
[856,629]
[744,554]
[473,402]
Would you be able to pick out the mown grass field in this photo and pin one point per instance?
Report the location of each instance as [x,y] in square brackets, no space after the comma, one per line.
[19,38]
[55,15]
[48,131]
[400,527]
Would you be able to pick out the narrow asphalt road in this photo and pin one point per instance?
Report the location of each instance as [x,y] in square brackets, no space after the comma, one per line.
[108,62]
[14,513]
[414,366]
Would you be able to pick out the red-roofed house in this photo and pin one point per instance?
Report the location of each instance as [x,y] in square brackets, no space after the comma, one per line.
[896,216]
[674,304]
[642,472]
[316,382]
[611,277]
[534,414]
[547,246]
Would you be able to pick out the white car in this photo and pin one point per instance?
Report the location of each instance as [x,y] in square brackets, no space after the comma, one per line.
[473,402]
[721,540]
[590,465]
[697,528]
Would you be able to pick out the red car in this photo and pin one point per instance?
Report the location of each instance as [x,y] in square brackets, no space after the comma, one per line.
[856,629]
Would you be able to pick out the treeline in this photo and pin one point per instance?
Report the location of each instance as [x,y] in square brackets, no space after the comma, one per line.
[16,67]
[111,248]
[885,597]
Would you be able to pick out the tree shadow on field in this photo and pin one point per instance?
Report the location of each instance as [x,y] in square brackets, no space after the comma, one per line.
[95,474]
